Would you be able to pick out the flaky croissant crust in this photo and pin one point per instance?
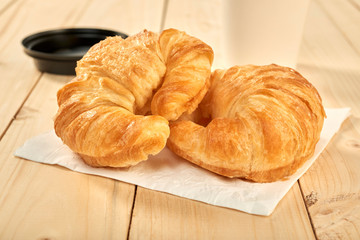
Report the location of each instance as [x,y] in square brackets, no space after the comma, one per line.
[105,111]
[255,122]
[258,122]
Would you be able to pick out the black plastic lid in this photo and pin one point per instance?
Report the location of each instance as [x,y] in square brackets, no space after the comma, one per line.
[57,51]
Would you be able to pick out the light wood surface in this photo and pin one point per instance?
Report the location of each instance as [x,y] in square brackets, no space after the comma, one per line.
[39,201]
[163,216]
[330,56]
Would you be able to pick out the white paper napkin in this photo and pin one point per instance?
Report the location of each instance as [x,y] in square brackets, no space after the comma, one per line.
[169,173]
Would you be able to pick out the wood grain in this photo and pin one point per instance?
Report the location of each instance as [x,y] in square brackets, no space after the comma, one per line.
[332,184]
[345,16]
[5,4]
[18,74]
[164,216]
[328,61]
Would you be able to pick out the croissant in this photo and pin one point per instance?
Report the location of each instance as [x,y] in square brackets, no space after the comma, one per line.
[259,123]
[104,113]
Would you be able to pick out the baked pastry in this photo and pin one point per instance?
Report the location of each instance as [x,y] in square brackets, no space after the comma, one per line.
[188,69]
[259,123]
[104,112]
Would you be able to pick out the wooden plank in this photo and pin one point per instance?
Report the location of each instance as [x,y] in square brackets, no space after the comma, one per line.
[346,17]
[18,74]
[329,62]
[42,201]
[5,4]
[164,216]
[332,185]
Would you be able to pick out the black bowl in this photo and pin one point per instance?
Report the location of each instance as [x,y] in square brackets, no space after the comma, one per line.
[57,51]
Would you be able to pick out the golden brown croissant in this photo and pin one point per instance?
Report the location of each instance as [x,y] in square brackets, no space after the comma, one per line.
[101,112]
[188,69]
[263,124]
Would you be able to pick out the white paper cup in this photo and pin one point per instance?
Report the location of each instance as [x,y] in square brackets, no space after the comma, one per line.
[263,31]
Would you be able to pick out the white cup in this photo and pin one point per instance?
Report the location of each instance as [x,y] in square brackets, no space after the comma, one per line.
[263,31]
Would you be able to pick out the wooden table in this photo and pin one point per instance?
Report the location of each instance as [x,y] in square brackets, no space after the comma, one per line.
[39,201]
